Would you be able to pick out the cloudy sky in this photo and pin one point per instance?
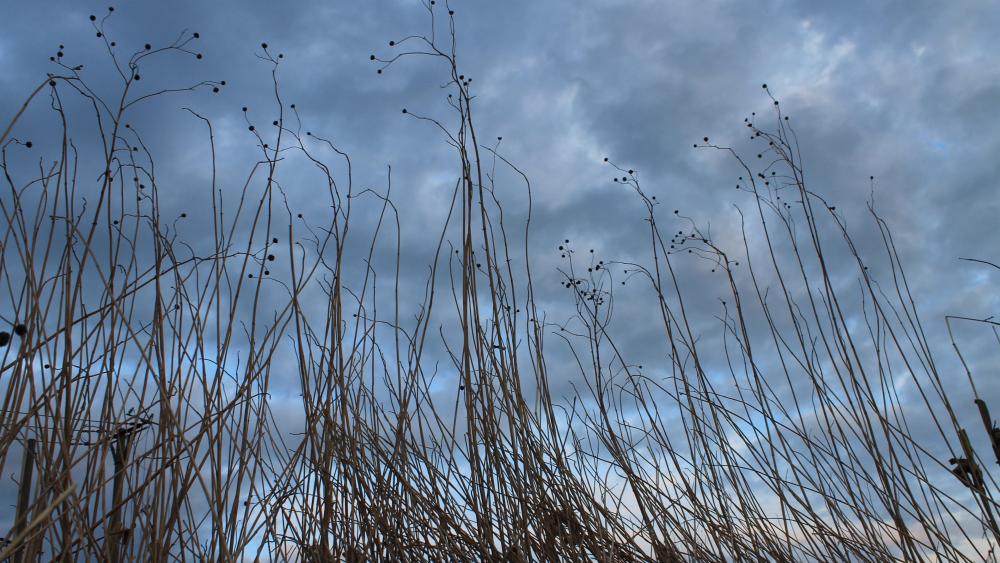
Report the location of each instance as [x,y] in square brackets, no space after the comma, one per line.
[905,91]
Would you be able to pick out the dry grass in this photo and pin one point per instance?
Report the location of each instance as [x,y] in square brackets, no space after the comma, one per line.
[141,367]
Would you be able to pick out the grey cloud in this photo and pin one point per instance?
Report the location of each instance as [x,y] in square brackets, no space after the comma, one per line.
[903,91]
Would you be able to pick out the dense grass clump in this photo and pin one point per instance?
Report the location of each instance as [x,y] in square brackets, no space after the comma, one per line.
[140,367]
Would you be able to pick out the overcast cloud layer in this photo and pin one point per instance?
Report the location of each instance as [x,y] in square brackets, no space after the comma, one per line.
[905,91]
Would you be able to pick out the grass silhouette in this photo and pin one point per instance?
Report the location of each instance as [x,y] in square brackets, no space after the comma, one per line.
[138,366]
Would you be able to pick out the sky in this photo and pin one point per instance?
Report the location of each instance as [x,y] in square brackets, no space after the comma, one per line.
[907,92]
[903,91]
